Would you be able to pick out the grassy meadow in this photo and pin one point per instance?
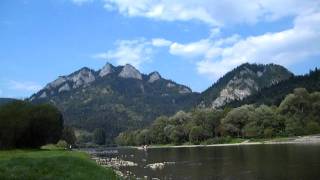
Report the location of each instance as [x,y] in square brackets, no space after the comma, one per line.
[51,164]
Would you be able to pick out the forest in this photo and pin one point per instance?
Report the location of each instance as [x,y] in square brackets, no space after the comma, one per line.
[297,114]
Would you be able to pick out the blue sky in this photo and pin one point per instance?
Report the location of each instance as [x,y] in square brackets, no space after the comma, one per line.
[189,41]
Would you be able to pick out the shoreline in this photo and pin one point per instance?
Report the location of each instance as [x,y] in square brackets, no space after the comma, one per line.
[310,139]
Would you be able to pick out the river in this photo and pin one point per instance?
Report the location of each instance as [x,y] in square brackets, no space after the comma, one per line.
[277,161]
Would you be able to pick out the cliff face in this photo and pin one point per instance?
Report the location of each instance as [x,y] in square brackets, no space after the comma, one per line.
[242,82]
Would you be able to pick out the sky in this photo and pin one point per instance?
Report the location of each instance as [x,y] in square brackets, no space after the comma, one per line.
[193,42]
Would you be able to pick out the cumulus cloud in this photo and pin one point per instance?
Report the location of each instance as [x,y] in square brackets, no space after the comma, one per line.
[287,47]
[24,86]
[191,49]
[213,13]
[134,52]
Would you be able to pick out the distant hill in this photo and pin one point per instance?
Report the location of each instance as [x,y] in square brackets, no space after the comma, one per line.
[121,98]
[114,98]
[5,100]
[241,82]
[274,94]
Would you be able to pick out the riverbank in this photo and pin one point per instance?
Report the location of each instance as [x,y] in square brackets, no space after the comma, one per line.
[311,139]
[51,164]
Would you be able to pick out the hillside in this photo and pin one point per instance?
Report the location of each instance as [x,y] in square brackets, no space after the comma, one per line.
[274,94]
[114,98]
[5,100]
[241,82]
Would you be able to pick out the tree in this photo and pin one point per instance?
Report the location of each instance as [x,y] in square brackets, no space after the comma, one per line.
[178,136]
[268,132]
[297,105]
[294,127]
[143,137]
[68,135]
[312,128]
[196,135]
[157,133]
[236,119]
[23,125]
[251,130]
[99,136]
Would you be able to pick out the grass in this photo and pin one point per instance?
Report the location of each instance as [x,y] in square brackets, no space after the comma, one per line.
[51,164]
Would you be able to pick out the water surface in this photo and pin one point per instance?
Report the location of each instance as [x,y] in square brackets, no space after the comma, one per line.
[290,161]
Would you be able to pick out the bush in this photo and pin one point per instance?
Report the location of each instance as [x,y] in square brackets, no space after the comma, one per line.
[62,144]
[99,136]
[268,133]
[68,135]
[218,140]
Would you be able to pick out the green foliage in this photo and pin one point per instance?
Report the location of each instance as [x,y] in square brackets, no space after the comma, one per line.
[312,127]
[99,136]
[68,135]
[23,125]
[196,135]
[234,122]
[62,144]
[298,114]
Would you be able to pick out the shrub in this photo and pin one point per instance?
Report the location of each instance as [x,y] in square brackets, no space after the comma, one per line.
[62,144]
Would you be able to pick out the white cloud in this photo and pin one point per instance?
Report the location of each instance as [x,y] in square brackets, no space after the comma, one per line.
[134,52]
[216,57]
[214,13]
[1,92]
[24,86]
[81,2]
[159,42]
[192,49]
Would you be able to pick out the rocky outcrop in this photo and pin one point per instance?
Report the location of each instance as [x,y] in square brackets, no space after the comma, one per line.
[107,69]
[184,90]
[154,76]
[128,71]
[56,83]
[65,87]
[82,77]
[171,85]
[242,82]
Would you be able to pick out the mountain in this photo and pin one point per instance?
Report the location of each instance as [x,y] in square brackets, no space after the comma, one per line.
[273,95]
[241,82]
[6,100]
[114,98]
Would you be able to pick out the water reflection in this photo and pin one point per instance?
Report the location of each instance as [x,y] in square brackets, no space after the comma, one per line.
[231,162]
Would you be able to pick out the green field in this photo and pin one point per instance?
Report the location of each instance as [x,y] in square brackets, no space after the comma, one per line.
[50,164]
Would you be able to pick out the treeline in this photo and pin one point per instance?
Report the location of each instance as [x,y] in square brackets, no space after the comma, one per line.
[298,114]
[24,125]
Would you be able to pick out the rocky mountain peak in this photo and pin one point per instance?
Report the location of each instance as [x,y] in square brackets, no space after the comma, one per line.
[82,77]
[57,82]
[107,69]
[154,76]
[128,71]
[243,81]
